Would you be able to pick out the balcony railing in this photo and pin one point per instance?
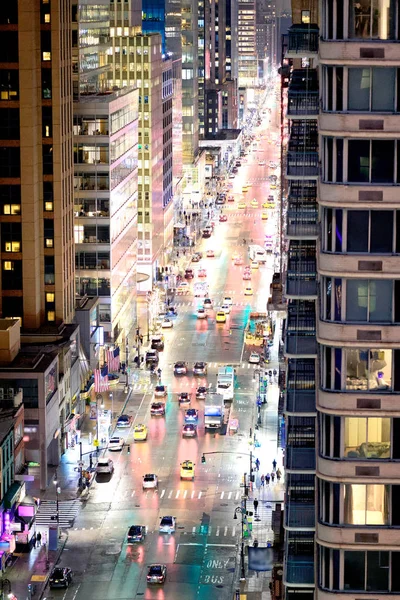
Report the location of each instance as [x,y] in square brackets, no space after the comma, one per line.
[301,344]
[302,163]
[302,224]
[303,39]
[300,285]
[299,514]
[300,569]
[302,104]
[300,458]
[300,401]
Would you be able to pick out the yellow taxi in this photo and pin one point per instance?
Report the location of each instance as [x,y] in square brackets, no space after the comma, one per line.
[187,470]
[254,203]
[242,205]
[268,205]
[140,433]
[248,291]
[245,189]
[273,186]
[264,216]
[254,264]
[220,317]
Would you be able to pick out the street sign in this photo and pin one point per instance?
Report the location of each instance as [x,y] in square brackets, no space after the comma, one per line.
[96,443]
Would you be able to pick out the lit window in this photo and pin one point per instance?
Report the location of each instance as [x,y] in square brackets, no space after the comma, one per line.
[47,131]
[305,17]
[50,297]
[8,265]
[13,246]
[51,315]
[47,18]
[49,242]
[46,56]
[12,209]
[48,206]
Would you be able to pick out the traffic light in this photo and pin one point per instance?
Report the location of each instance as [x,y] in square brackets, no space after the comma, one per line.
[203,459]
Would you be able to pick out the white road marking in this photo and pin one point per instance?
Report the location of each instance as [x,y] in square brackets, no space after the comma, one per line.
[193,493]
[170,494]
[225,531]
[185,493]
[162,493]
[222,495]
[234,531]
[199,496]
[177,494]
[229,495]
[217,532]
[193,529]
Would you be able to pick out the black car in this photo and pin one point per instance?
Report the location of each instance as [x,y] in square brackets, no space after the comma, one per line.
[157,409]
[189,274]
[200,368]
[219,202]
[201,392]
[60,577]
[136,533]
[206,233]
[151,358]
[156,574]
[180,368]
[157,343]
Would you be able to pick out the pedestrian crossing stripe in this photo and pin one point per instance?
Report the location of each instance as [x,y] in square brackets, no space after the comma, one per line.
[207,530]
[193,495]
[67,513]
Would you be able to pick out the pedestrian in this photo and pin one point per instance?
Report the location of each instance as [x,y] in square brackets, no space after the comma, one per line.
[34,540]
[39,539]
[274,464]
[278,474]
[90,461]
[255,504]
[257,464]
[262,480]
[272,477]
[267,478]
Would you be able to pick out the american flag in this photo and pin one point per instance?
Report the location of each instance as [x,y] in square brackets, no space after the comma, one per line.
[113,360]
[101,379]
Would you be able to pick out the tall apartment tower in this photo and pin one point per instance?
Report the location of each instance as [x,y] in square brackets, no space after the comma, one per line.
[36,173]
[148,63]
[301,290]
[247,46]
[358,402]
[357,449]
[106,174]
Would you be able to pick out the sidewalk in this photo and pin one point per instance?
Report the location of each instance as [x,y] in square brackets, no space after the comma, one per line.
[256,586]
[32,567]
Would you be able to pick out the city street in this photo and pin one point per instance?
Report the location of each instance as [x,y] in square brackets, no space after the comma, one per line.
[201,556]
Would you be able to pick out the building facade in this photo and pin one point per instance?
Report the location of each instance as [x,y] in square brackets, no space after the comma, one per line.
[36,173]
[341,542]
[300,105]
[247,43]
[358,406]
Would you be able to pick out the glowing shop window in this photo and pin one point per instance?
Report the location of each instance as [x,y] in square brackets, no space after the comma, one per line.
[50,296]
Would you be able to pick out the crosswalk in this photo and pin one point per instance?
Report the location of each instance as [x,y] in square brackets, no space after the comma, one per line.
[207,530]
[180,494]
[67,513]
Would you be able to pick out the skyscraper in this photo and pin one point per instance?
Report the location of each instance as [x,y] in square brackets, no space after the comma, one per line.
[247,46]
[356,343]
[36,189]
[106,175]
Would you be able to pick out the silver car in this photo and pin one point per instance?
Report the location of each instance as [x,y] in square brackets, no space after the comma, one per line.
[105,465]
[200,368]
[150,481]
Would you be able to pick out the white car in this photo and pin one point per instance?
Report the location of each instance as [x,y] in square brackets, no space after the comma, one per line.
[160,391]
[167,324]
[254,358]
[201,313]
[167,525]
[226,308]
[228,300]
[261,163]
[149,481]
[116,443]
[105,465]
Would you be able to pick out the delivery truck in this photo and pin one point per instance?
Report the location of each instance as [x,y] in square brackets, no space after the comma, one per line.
[214,412]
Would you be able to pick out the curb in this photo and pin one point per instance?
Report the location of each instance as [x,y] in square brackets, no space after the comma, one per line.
[59,551]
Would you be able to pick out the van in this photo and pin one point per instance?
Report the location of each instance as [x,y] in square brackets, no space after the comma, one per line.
[257,254]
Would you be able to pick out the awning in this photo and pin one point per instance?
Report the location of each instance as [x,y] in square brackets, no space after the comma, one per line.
[12,495]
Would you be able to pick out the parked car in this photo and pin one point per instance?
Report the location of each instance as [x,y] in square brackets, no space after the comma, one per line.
[105,465]
[60,577]
[124,421]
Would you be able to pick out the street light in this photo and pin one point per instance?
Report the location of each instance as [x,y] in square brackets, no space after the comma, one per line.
[58,490]
[242,512]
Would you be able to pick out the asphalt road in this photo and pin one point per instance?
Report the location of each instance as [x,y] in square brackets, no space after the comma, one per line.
[201,555]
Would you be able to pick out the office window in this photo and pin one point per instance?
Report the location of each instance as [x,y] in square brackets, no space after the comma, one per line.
[50,297]
[12,246]
[366,571]
[370,231]
[51,315]
[372,89]
[372,19]
[48,206]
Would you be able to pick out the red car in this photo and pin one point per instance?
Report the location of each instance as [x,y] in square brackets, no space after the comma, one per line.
[223,218]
